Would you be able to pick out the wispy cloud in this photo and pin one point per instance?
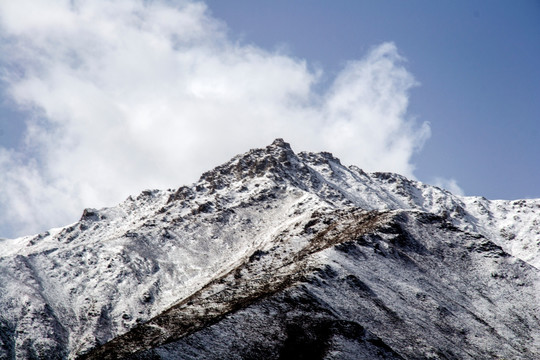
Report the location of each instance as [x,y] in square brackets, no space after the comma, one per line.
[450,185]
[132,94]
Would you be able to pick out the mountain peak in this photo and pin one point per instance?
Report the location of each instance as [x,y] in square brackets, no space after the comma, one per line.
[364,263]
[273,159]
[279,142]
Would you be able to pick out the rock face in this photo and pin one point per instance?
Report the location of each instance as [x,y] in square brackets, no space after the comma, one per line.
[277,255]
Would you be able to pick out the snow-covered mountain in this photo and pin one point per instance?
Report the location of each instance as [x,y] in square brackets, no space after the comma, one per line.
[280,255]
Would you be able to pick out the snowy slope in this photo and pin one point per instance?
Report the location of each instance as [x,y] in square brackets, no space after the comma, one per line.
[395,292]
[71,289]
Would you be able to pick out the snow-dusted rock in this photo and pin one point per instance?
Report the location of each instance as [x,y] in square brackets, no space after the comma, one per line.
[276,251]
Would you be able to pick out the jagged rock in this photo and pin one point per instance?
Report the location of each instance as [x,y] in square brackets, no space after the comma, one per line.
[279,255]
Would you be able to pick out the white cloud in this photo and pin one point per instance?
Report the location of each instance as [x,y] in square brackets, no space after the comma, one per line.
[450,185]
[132,94]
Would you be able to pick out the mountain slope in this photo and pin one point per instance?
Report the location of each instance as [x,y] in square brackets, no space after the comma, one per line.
[256,232]
[368,285]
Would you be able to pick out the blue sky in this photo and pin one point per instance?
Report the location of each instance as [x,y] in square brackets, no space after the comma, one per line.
[103,99]
[477,63]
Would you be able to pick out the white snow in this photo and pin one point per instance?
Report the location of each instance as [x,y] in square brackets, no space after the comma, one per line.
[121,266]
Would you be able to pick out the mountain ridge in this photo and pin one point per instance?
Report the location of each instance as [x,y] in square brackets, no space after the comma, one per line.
[118,268]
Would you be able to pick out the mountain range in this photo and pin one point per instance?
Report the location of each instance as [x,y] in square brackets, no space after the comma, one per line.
[280,255]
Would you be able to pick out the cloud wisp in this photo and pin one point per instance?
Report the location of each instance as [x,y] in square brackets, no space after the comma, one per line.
[126,95]
[450,185]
